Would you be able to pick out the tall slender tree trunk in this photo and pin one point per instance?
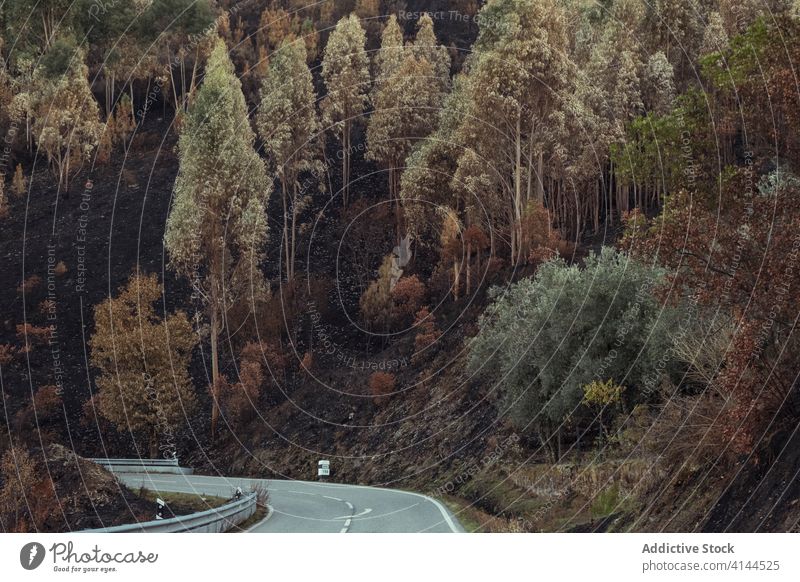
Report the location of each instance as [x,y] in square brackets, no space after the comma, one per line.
[540,181]
[214,365]
[612,184]
[456,278]
[28,132]
[194,70]
[63,170]
[59,166]
[558,441]
[172,82]
[153,442]
[596,206]
[48,27]
[294,233]
[286,253]
[345,163]
[469,272]
[398,207]
[518,187]
[183,80]
[108,95]
[394,199]
[529,188]
[514,241]
[478,264]
[327,167]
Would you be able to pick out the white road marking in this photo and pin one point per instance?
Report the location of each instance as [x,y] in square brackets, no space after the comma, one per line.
[334,498]
[194,483]
[445,514]
[439,506]
[366,511]
[349,505]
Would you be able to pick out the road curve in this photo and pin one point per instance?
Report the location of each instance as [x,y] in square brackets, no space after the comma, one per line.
[311,507]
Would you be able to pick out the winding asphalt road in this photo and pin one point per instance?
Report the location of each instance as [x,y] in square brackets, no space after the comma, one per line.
[311,507]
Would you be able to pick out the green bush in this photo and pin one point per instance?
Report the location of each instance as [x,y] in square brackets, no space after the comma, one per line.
[543,339]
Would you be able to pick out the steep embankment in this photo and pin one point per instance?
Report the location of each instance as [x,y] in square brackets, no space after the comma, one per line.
[74,250]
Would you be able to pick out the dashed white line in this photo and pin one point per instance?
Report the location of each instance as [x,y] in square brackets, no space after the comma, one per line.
[194,484]
[303,493]
[366,511]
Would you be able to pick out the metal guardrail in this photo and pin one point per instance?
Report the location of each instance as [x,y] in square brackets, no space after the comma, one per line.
[143,466]
[173,462]
[215,520]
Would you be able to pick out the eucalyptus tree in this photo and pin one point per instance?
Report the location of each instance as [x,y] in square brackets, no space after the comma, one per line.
[516,81]
[289,127]
[427,47]
[345,70]
[217,226]
[405,105]
[391,53]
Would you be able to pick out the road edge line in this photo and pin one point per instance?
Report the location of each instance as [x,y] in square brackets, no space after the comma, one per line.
[442,509]
[438,504]
[270,511]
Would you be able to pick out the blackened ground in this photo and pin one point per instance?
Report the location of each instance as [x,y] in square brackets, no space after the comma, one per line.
[756,494]
[87,496]
[111,220]
[764,496]
[439,421]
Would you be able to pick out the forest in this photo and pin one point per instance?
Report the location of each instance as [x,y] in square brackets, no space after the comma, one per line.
[536,258]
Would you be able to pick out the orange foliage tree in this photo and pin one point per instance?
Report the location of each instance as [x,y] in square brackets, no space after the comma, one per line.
[27,495]
[381,386]
[749,271]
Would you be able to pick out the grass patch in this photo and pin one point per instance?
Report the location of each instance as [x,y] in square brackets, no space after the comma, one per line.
[182,503]
[473,519]
[606,502]
[499,496]
[260,514]
[547,498]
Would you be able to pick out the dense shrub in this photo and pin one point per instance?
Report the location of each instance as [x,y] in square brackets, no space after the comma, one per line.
[427,332]
[381,386]
[34,422]
[144,387]
[7,352]
[27,494]
[408,295]
[31,335]
[30,284]
[545,338]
